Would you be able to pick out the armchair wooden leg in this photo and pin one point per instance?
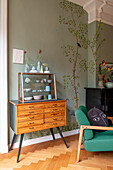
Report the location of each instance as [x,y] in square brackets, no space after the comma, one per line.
[79,144]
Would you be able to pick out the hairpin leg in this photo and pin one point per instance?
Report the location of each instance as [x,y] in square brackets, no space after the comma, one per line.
[62,137]
[21,139]
[12,142]
[52,133]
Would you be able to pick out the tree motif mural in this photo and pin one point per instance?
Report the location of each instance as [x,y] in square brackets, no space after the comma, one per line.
[79,31]
[74,23]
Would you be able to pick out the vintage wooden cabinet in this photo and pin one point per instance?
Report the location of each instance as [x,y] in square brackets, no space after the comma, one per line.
[34,116]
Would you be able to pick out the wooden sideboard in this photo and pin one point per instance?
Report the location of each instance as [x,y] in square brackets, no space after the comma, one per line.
[35,116]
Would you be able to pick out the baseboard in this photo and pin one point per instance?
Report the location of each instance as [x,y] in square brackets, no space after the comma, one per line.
[3,149]
[45,138]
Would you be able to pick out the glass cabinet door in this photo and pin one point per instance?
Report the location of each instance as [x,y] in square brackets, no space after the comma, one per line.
[36,86]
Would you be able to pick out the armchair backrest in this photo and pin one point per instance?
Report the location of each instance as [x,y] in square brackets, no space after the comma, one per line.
[83,120]
[83,108]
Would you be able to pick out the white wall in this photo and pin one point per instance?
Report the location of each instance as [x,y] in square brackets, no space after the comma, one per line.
[3,79]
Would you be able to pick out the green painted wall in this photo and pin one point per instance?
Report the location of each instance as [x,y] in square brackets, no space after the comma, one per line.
[91,32]
[104,53]
[34,25]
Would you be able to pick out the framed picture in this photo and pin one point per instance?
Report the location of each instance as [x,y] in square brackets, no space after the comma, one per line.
[18,56]
[107,70]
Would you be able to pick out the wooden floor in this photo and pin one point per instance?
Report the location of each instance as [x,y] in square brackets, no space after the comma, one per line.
[53,155]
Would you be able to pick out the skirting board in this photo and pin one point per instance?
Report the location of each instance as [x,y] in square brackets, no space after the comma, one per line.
[45,138]
[3,149]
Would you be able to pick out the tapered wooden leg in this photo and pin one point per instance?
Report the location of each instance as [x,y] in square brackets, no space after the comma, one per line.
[21,139]
[52,133]
[62,137]
[79,144]
[12,142]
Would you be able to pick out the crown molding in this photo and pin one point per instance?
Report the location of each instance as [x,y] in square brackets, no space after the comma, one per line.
[97,10]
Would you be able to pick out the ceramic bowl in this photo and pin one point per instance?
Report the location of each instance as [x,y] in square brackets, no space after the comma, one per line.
[109,85]
[49,81]
[28,98]
[38,97]
[27,90]
[37,81]
[33,71]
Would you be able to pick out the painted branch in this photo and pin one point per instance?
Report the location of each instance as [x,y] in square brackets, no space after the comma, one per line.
[74,71]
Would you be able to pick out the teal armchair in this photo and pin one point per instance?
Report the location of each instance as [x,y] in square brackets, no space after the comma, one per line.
[92,140]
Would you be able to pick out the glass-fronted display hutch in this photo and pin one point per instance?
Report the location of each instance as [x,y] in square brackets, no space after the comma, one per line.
[36,87]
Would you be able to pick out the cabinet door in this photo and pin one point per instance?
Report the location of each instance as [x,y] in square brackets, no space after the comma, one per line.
[36,86]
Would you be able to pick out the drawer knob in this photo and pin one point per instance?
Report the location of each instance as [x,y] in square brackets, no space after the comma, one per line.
[54,104]
[31,106]
[31,128]
[55,119]
[54,123]
[31,123]
[54,109]
[31,117]
[31,112]
[54,114]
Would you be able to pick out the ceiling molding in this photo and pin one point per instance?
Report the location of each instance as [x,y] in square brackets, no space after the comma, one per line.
[97,10]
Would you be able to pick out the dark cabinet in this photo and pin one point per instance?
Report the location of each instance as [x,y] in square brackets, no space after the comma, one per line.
[101,98]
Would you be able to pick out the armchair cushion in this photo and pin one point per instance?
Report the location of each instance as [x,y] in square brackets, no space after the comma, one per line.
[101,142]
[83,120]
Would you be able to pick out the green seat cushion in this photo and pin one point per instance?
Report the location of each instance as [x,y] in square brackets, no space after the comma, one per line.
[101,142]
[82,120]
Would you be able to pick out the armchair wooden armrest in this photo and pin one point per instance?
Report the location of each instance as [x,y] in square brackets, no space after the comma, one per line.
[95,127]
[82,128]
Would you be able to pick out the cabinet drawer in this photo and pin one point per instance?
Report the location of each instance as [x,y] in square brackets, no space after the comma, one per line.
[30,123]
[56,109]
[54,124]
[55,104]
[30,112]
[51,114]
[54,119]
[21,130]
[30,117]
[29,107]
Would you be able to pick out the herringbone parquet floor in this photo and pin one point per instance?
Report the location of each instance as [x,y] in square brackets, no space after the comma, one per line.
[53,155]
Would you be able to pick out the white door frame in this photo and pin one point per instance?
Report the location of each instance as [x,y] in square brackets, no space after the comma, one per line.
[3,78]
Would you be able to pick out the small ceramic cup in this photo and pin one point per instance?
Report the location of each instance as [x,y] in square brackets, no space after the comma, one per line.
[49,96]
[47,88]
